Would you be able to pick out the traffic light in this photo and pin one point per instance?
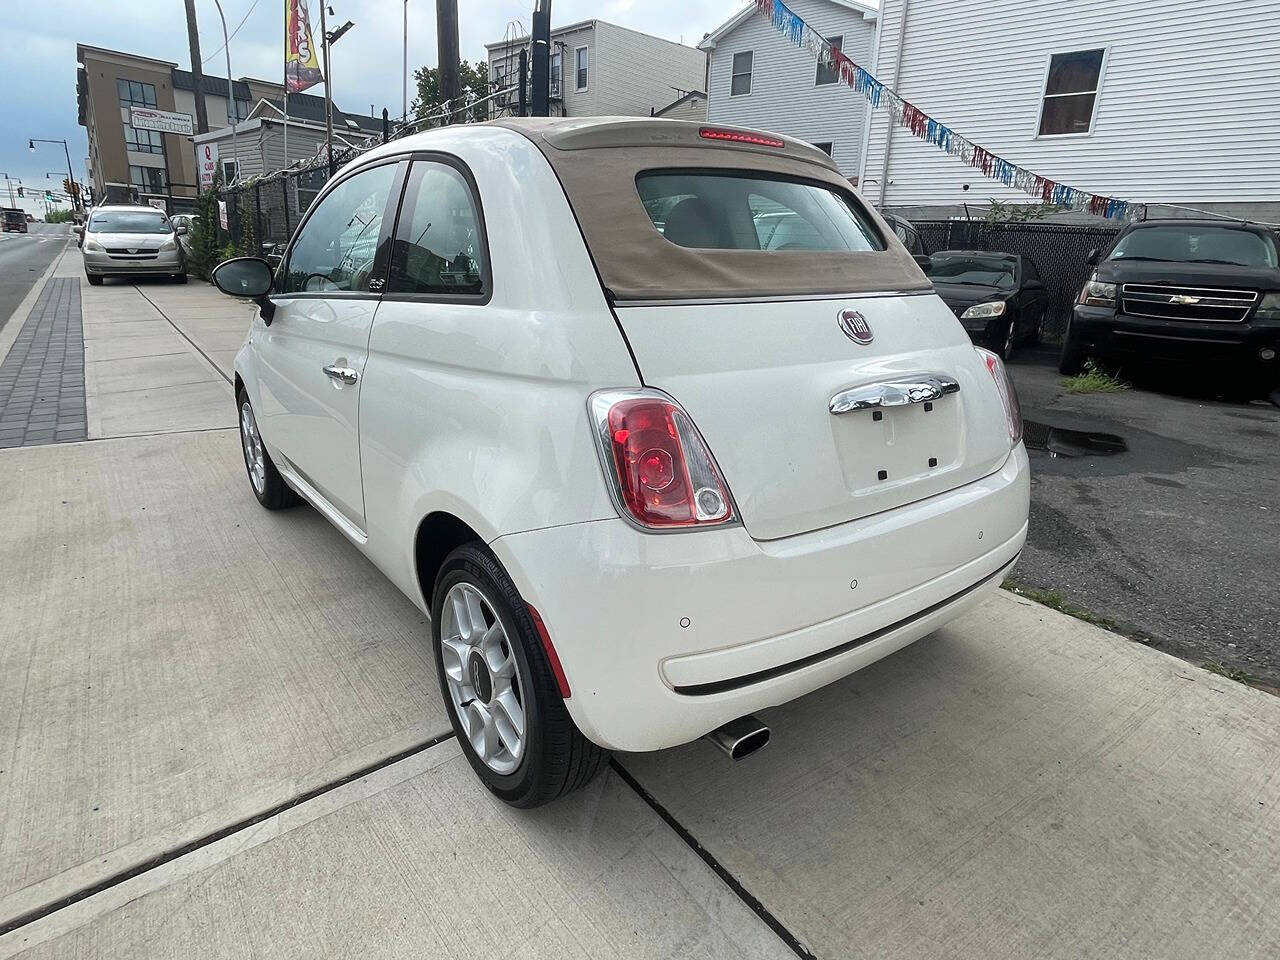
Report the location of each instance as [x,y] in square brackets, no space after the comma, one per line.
[48,196]
[66,186]
[20,193]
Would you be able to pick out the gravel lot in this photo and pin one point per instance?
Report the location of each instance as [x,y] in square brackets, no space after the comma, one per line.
[1177,539]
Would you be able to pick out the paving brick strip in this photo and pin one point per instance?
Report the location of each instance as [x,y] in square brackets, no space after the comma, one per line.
[42,378]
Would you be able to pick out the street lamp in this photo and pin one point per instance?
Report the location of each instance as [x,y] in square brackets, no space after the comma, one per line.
[231,97]
[31,145]
[329,40]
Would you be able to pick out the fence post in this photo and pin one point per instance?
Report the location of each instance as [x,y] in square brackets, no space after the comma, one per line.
[257,220]
[386,124]
[284,185]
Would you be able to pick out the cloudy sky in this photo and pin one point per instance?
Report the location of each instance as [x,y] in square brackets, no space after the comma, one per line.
[38,68]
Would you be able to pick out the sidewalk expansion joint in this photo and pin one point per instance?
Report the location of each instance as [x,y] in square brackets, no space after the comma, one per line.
[750,900]
[183,334]
[39,913]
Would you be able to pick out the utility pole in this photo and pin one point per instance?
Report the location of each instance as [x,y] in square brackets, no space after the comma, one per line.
[447,52]
[193,41]
[328,91]
[231,96]
[404,117]
[540,47]
[9,183]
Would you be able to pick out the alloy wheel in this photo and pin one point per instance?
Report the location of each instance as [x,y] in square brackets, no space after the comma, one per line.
[255,457]
[482,678]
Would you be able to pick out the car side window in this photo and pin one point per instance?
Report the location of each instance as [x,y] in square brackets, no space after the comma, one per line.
[338,245]
[439,245]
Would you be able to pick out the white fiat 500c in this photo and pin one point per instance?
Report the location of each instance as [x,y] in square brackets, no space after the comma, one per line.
[658,422]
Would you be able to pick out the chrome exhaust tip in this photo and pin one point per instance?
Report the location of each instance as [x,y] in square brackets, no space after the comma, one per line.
[740,738]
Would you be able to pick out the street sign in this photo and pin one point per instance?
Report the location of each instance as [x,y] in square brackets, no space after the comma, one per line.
[145,118]
[207,163]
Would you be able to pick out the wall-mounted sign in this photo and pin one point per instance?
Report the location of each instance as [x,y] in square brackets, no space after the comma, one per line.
[159,203]
[207,164]
[145,118]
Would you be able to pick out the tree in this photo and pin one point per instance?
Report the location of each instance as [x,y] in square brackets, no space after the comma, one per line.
[473,80]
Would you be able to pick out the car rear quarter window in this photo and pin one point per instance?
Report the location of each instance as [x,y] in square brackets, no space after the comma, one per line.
[740,211]
[439,247]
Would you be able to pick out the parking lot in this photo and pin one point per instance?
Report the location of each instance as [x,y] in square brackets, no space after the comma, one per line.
[221,732]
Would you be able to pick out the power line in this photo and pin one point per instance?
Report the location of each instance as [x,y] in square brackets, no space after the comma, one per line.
[233,33]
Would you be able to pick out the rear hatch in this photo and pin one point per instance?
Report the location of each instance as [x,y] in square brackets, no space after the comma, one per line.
[745,273]
[758,380]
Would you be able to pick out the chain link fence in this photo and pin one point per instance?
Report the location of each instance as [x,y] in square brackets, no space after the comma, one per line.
[1059,250]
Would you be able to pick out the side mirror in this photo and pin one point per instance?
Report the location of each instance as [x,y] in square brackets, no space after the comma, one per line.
[180,230]
[247,277]
[1033,285]
[923,260]
[1093,257]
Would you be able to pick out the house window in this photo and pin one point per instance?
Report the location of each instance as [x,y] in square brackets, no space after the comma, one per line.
[143,141]
[1071,92]
[499,83]
[148,179]
[826,72]
[580,63]
[242,111]
[740,84]
[557,69]
[132,93]
[825,147]
[230,171]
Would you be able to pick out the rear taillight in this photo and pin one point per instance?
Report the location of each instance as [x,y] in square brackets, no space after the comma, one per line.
[662,474]
[1008,395]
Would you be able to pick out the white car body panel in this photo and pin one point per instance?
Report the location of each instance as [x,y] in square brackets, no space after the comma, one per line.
[480,411]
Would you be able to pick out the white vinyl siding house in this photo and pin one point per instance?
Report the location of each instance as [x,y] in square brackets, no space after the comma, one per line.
[759,78]
[1154,101]
[607,70]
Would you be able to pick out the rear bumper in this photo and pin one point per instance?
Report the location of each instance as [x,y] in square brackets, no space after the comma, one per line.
[1104,333]
[664,638]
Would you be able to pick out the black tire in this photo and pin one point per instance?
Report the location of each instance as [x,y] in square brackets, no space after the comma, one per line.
[1005,340]
[557,758]
[275,493]
[95,280]
[1071,360]
[179,278]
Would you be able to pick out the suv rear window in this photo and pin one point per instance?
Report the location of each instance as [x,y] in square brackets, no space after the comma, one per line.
[741,211]
[1196,244]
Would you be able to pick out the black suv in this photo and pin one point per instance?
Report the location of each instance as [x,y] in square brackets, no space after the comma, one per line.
[1195,291]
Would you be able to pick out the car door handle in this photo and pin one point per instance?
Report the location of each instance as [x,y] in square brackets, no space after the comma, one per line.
[914,388]
[345,374]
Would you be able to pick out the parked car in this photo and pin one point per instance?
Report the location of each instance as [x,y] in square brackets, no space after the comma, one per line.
[129,240]
[189,221]
[1184,291]
[999,297]
[30,218]
[907,232]
[653,478]
[12,220]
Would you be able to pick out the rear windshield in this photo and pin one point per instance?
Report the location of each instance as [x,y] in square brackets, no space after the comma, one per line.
[1197,244]
[733,211]
[976,271]
[128,221]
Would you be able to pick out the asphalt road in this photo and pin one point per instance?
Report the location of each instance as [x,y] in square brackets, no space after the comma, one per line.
[23,258]
[1177,538]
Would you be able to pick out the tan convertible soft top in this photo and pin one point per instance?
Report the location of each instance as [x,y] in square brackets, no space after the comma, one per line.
[597,160]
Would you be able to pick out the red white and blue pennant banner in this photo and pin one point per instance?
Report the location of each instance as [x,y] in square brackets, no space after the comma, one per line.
[923,126]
